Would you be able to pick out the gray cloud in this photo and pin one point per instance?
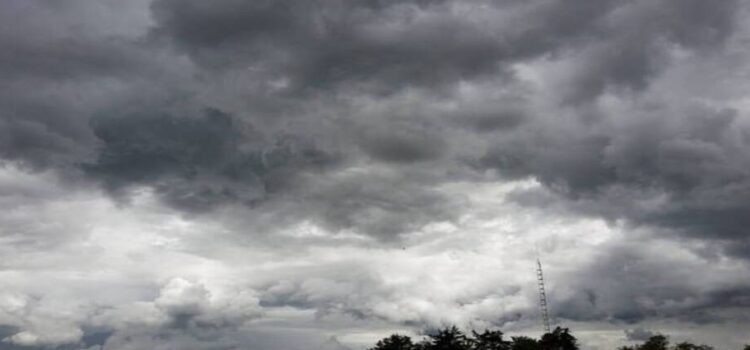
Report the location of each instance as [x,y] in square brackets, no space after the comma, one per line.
[638,334]
[388,44]
[696,164]
[69,58]
[402,43]
[633,283]
[372,127]
[402,146]
[195,163]
[640,36]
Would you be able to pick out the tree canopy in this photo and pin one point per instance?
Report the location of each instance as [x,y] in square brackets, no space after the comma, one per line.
[661,342]
[452,338]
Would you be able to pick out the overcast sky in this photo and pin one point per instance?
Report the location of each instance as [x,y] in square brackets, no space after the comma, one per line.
[294,175]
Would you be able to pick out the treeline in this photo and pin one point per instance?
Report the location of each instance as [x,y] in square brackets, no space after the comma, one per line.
[453,339]
[661,342]
[560,339]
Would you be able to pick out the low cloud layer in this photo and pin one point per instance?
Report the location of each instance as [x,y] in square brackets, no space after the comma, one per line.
[221,175]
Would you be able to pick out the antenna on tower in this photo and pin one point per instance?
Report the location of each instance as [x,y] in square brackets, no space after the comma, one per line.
[542,296]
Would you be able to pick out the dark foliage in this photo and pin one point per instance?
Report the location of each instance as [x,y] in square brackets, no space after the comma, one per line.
[490,340]
[449,339]
[559,339]
[660,342]
[394,342]
[524,343]
[454,339]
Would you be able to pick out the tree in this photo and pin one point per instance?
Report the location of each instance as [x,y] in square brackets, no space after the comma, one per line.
[422,345]
[452,338]
[524,343]
[394,342]
[657,342]
[448,339]
[559,339]
[489,340]
[690,346]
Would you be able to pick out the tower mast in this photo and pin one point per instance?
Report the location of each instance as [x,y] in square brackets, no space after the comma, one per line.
[542,296]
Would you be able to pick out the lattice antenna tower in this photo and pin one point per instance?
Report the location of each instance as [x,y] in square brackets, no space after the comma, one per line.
[542,296]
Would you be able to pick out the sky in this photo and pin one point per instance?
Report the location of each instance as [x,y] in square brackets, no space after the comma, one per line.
[319,174]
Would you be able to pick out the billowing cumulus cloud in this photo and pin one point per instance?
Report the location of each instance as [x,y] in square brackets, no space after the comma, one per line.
[296,174]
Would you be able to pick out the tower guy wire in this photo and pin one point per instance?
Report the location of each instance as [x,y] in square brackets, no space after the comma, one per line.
[542,296]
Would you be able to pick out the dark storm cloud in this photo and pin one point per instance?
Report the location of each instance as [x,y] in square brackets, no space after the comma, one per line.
[41,41]
[39,124]
[695,159]
[638,38]
[402,144]
[377,202]
[68,58]
[382,45]
[353,117]
[195,163]
[391,44]
[56,66]
[397,44]
[493,120]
